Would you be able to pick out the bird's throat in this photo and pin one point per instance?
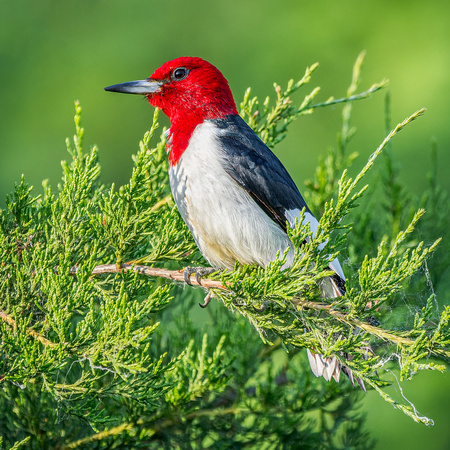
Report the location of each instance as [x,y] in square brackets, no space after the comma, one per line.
[178,141]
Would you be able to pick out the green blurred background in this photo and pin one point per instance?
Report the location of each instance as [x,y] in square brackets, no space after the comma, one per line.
[52,53]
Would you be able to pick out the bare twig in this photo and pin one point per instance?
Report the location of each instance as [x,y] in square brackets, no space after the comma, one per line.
[175,275]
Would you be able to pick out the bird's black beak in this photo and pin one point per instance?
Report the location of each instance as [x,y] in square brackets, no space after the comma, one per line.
[141,87]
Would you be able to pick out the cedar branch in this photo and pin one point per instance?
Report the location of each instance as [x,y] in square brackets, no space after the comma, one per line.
[178,275]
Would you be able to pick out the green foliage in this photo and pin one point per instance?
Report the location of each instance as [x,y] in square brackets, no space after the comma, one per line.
[94,353]
[271,123]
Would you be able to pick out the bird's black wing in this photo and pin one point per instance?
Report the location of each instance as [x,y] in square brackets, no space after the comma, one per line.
[254,167]
[257,170]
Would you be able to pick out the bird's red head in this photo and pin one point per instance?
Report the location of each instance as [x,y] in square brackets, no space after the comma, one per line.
[189,90]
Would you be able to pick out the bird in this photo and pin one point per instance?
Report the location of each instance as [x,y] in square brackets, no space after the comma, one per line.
[232,191]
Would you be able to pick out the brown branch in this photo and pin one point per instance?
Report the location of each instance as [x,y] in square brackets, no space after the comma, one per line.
[178,275]
[175,275]
[10,321]
[355,322]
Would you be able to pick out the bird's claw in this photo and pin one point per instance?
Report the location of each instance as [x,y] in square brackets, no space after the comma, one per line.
[188,271]
[206,300]
[200,272]
[198,277]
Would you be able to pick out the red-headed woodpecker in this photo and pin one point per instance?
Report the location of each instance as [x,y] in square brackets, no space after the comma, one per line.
[233,193]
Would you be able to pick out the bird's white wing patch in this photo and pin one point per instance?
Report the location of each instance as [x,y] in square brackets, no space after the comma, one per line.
[294,214]
[336,266]
[313,224]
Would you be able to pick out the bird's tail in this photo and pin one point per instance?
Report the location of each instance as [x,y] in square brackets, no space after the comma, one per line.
[330,367]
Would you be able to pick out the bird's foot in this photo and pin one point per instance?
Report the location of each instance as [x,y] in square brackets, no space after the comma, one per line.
[200,272]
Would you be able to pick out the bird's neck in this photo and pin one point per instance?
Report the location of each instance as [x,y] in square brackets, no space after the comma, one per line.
[181,131]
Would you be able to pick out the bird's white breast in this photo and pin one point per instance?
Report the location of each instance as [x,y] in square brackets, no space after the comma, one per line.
[226,223]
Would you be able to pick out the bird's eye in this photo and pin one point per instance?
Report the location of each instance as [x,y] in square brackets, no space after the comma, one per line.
[180,74]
